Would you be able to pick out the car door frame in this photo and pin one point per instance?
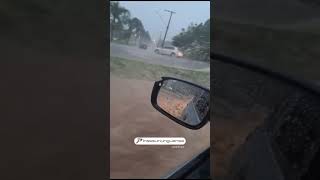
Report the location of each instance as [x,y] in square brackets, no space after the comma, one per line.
[192,169]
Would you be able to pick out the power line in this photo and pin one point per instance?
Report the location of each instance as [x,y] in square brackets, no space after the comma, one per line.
[160,18]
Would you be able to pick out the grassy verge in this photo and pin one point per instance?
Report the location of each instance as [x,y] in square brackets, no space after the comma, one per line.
[139,70]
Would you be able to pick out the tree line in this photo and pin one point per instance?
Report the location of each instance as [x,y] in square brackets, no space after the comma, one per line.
[125,28]
[195,41]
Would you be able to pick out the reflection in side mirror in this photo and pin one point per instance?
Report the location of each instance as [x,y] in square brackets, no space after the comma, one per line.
[182,101]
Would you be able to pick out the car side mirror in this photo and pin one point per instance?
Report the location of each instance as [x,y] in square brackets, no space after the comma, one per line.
[183,102]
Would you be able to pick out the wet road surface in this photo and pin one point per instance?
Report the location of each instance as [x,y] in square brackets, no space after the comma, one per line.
[148,56]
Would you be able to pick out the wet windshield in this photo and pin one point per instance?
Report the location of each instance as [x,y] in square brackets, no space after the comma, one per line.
[140,33]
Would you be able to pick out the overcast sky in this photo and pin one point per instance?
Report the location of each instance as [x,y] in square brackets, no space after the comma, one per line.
[155,19]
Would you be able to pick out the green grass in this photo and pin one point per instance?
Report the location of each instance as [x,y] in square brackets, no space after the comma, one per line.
[138,70]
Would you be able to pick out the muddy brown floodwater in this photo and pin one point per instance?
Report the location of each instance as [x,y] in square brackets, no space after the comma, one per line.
[132,115]
[171,103]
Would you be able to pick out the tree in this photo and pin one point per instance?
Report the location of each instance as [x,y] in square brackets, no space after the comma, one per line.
[135,28]
[119,16]
[195,41]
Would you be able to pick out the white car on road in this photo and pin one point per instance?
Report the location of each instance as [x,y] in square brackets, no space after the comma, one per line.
[169,50]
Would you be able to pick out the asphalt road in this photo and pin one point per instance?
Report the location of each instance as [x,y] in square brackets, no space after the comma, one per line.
[148,56]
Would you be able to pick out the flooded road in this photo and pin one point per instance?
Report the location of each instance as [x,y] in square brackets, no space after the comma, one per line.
[132,115]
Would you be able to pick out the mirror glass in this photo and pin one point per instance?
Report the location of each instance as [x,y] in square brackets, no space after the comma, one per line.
[186,102]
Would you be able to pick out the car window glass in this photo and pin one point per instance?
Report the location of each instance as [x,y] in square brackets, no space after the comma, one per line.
[133,71]
[258,118]
[286,42]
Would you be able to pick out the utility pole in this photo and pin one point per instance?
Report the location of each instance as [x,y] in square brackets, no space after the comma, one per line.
[165,35]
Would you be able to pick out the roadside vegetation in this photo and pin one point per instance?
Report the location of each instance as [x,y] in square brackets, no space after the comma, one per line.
[124,28]
[195,41]
[138,70]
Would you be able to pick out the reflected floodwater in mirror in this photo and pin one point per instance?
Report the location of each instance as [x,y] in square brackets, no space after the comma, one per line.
[185,102]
